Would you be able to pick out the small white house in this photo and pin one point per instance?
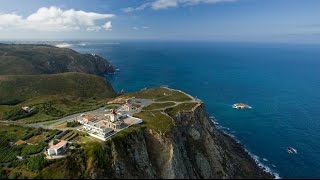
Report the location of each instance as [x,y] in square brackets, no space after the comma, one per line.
[58,148]
[27,109]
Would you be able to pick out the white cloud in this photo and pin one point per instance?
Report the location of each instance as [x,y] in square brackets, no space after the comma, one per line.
[145,27]
[165,4]
[135,28]
[7,20]
[195,2]
[56,19]
[139,8]
[128,9]
[107,26]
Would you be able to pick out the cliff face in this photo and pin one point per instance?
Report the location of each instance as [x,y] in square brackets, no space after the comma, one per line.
[193,148]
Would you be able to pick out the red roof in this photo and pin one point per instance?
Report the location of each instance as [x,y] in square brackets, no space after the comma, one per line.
[114,111]
[59,145]
[89,117]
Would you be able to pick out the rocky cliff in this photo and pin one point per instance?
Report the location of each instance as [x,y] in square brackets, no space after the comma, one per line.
[193,148]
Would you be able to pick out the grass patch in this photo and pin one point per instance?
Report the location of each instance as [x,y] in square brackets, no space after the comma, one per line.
[159,94]
[61,125]
[125,132]
[184,107]
[155,106]
[3,110]
[15,89]
[55,171]
[95,154]
[112,106]
[54,107]
[73,124]
[39,117]
[13,132]
[33,149]
[85,139]
[38,138]
[156,120]
[36,163]
[49,123]
[69,136]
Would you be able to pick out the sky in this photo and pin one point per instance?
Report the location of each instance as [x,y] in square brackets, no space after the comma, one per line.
[216,20]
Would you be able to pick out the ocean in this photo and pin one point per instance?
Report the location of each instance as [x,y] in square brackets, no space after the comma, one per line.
[280,81]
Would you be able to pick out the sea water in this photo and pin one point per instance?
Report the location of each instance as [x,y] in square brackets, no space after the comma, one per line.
[280,81]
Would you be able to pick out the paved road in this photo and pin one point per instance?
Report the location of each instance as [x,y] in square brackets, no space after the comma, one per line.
[64,119]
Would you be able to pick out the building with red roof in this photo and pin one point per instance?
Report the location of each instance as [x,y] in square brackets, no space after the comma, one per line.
[58,148]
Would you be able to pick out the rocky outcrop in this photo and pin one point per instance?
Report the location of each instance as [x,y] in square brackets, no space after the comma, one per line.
[193,148]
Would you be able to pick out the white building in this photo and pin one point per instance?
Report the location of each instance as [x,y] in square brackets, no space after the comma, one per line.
[58,148]
[98,128]
[128,106]
[113,116]
[114,120]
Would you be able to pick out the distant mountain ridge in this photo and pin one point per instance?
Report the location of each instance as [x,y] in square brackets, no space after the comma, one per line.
[32,70]
[33,59]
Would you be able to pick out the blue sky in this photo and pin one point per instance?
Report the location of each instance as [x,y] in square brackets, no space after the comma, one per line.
[216,20]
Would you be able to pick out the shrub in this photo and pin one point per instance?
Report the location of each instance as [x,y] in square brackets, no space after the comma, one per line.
[73,124]
[48,109]
[18,113]
[51,135]
[33,149]
[62,134]
[3,174]
[34,132]
[55,141]
[36,163]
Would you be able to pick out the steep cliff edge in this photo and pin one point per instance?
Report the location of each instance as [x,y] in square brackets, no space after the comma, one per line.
[192,148]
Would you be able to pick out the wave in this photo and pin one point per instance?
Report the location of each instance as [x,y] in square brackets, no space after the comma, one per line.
[64,45]
[81,44]
[262,166]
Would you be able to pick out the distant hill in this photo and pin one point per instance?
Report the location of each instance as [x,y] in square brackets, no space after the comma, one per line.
[17,88]
[32,59]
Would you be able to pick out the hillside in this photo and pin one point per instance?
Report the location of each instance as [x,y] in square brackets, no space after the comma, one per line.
[28,59]
[173,142]
[17,88]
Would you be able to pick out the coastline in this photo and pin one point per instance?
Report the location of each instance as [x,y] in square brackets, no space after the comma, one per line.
[233,140]
[242,149]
